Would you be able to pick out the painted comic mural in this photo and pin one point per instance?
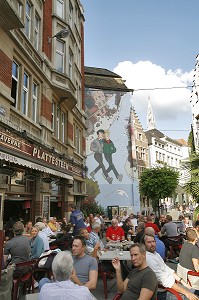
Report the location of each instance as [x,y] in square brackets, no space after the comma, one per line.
[110,148]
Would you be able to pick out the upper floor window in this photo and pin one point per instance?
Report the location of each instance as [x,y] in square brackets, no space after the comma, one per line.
[36,33]
[24,102]
[20,8]
[53,116]
[63,126]
[28,19]
[70,64]
[34,101]
[59,56]
[60,8]
[58,123]
[15,82]
[77,139]
[70,14]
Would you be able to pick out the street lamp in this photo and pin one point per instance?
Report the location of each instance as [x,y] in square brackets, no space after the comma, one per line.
[64,33]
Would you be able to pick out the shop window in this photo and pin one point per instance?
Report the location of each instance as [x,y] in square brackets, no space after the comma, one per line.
[77,186]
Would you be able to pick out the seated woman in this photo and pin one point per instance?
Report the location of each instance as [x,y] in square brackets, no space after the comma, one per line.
[36,243]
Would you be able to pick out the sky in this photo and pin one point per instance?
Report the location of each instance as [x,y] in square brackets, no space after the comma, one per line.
[153,45]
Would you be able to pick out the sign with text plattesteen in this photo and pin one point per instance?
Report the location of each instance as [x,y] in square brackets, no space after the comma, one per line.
[20,145]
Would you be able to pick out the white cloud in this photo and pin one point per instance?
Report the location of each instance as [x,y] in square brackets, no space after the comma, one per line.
[168,104]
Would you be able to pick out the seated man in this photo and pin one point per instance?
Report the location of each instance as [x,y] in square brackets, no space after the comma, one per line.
[128,228]
[189,258]
[165,275]
[86,267]
[114,232]
[52,225]
[19,246]
[150,223]
[63,287]
[169,228]
[141,282]
[189,253]
[140,232]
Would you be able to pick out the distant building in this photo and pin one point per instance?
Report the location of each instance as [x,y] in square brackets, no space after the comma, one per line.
[141,161]
[164,150]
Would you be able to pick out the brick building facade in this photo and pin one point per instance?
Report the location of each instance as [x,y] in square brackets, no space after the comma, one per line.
[42,119]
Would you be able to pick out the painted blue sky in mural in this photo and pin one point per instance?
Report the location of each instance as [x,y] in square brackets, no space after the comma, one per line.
[151,44]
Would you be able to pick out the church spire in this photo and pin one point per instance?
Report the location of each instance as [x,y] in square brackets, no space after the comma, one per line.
[150,116]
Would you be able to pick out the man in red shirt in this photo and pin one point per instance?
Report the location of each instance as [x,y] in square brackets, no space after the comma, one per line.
[114,232]
[151,224]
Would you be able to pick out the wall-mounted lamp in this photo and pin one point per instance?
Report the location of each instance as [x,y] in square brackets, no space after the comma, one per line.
[64,33]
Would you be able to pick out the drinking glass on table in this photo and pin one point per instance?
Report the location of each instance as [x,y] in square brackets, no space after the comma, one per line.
[118,238]
[128,237]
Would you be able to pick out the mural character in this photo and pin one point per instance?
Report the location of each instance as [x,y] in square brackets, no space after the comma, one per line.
[108,150]
[96,107]
[97,147]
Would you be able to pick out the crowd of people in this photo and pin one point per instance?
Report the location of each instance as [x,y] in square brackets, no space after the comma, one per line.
[75,272]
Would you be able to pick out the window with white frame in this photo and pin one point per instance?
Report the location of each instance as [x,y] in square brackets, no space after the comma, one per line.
[60,8]
[36,33]
[28,19]
[143,153]
[70,14]
[59,56]
[24,102]
[156,155]
[19,8]
[58,123]
[15,82]
[70,64]
[34,101]
[77,139]
[76,16]
[63,127]
[53,116]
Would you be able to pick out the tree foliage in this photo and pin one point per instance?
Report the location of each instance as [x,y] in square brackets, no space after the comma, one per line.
[90,205]
[158,183]
[192,187]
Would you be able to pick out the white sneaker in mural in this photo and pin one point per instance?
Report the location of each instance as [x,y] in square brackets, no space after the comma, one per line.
[119,177]
[92,175]
[109,179]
